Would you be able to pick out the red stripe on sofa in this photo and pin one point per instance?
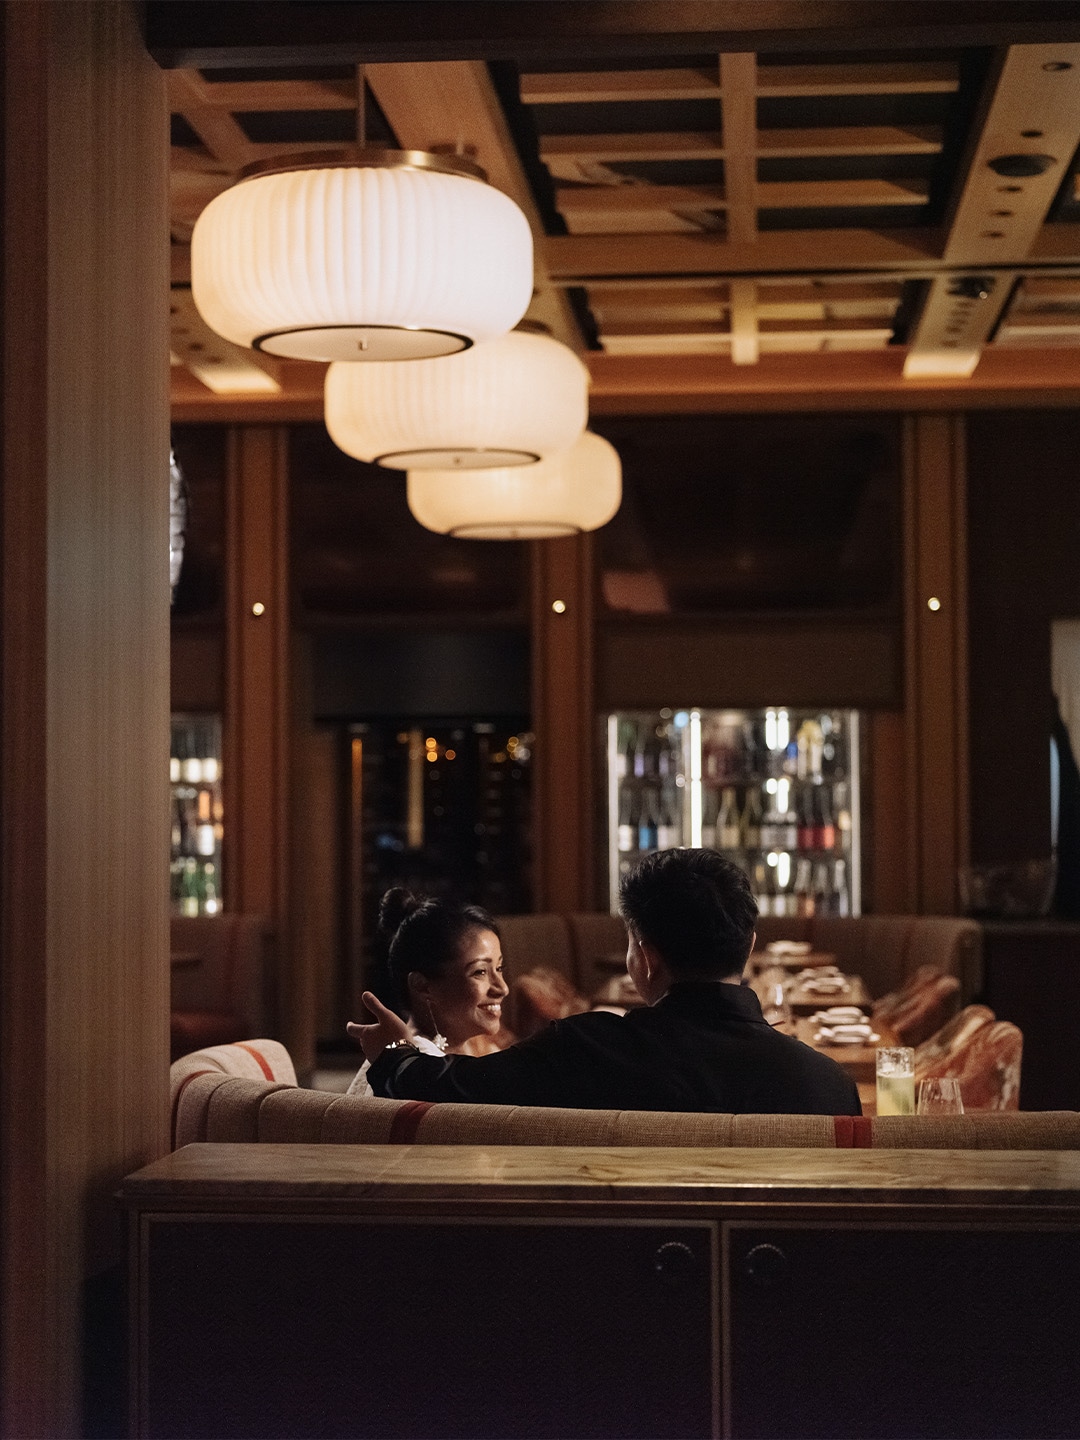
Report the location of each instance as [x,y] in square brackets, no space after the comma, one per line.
[184,1083]
[406,1122]
[842,1131]
[264,1064]
[862,1132]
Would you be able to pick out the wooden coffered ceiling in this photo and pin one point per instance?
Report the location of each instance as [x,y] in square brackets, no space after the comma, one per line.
[810,207]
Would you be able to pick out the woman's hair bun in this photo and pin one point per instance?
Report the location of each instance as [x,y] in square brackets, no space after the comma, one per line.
[395,907]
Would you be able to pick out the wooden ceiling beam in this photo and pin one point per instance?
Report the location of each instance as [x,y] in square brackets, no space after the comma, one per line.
[772,195]
[561,153]
[219,132]
[454,105]
[582,259]
[267,95]
[579,87]
[1035,111]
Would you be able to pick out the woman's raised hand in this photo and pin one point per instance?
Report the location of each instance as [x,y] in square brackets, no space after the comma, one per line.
[373,1039]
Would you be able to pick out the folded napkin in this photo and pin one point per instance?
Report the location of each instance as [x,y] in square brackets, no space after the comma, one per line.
[821,972]
[844,1034]
[789,947]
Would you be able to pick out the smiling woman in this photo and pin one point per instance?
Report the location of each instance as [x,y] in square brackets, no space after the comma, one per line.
[446,964]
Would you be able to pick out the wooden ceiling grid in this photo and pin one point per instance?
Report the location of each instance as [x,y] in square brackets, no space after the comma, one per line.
[755,225]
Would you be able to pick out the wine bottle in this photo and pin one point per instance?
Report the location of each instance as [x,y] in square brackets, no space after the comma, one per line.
[647,826]
[727,825]
[639,756]
[189,887]
[210,903]
[667,832]
[822,889]
[826,829]
[806,829]
[205,840]
[710,807]
[190,762]
[840,889]
[627,832]
[751,821]
[804,888]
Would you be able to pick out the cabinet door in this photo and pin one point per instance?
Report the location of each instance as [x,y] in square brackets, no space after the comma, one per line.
[879,1331]
[359,1328]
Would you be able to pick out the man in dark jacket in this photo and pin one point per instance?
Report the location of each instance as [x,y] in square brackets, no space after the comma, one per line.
[700,1043]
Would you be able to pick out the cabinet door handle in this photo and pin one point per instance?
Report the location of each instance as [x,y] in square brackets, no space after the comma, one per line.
[766,1265]
[674,1262]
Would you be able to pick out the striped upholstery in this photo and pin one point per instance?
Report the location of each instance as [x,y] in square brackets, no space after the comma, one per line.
[219,1107]
[256,1059]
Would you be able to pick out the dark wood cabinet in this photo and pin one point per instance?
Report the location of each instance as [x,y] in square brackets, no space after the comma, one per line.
[362,1291]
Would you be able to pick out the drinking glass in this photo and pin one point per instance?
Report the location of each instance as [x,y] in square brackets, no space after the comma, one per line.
[940,1097]
[774,1002]
[896,1080]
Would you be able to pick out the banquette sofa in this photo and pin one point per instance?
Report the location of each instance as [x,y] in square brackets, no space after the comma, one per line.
[245,1094]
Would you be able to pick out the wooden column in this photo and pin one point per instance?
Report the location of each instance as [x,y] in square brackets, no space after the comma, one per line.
[84,648]
[936,704]
[565,771]
[258,710]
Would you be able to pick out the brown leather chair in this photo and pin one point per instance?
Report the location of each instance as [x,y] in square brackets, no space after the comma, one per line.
[221,976]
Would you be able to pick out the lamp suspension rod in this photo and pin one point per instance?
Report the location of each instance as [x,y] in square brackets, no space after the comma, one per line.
[361,108]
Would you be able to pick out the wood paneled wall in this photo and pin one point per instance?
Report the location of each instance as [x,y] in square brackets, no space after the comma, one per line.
[85,658]
[936,625]
[565,767]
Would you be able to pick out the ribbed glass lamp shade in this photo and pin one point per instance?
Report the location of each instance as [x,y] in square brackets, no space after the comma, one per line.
[579,489]
[510,401]
[361,261]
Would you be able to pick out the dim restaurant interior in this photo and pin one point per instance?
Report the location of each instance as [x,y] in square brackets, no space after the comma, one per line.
[688,461]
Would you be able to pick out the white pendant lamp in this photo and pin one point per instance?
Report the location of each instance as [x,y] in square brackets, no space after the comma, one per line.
[579,489]
[364,254]
[510,401]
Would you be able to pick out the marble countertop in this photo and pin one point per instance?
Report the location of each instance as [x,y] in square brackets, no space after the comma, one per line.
[312,1174]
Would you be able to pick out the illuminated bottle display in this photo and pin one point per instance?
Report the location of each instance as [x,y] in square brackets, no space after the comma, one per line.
[777,790]
[196,815]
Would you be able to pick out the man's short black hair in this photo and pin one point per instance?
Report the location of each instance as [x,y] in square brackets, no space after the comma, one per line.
[695,907]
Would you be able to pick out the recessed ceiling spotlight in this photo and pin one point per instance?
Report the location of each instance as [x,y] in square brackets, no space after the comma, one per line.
[1020,167]
[972,287]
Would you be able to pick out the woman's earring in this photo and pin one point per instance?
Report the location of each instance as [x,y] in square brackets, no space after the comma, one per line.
[439,1038]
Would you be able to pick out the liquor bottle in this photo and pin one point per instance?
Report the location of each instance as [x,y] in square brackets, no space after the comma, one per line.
[788,835]
[784,903]
[709,809]
[843,899]
[205,840]
[771,824]
[667,831]
[805,819]
[189,887]
[190,762]
[209,898]
[647,826]
[727,825]
[639,755]
[751,821]
[804,888]
[825,829]
[822,889]
[759,884]
[627,833]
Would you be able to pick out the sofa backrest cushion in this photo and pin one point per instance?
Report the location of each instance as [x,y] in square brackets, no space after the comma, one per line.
[599,949]
[232,972]
[221,1108]
[529,941]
